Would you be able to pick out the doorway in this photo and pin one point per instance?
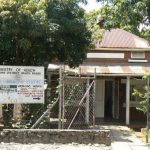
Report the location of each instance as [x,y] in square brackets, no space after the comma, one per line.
[108,99]
[99,98]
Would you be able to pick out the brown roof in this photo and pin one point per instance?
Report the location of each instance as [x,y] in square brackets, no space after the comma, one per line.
[112,70]
[118,38]
[106,70]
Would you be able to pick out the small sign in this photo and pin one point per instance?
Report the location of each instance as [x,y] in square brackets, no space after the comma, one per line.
[21,84]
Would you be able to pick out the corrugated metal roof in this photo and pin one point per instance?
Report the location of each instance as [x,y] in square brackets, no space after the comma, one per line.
[118,70]
[118,38]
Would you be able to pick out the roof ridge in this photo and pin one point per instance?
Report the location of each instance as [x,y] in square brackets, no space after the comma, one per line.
[121,38]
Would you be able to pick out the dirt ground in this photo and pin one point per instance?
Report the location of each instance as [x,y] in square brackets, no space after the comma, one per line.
[71,146]
[141,136]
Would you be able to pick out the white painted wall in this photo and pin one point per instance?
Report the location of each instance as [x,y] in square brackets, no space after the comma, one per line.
[105,55]
[100,94]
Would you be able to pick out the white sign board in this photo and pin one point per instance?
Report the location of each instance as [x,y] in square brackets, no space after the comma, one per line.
[21,84]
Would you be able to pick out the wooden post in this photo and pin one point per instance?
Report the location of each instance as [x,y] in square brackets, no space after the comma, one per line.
[128,101]
[60,97]
[63,102]
[94,90]
[118,85]
[148,110]
[79,72]
[87,102]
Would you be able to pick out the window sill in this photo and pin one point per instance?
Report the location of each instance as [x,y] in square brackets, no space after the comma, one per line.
[137,60]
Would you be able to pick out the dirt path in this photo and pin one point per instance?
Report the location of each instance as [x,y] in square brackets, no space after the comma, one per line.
[71,146]
[123,138]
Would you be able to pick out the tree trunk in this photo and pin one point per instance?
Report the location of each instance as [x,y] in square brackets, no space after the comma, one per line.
[7,111]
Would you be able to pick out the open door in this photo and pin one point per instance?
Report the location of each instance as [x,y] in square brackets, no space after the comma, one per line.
[99,103]
[108,99]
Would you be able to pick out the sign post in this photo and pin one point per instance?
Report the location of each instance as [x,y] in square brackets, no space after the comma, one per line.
[21,84]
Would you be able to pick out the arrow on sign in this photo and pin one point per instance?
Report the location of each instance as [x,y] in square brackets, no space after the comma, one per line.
[37,98]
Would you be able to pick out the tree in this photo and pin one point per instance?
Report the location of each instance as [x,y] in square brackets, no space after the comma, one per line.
[92,24]
[131,15]
[34,32]
[45,30]
[72,38]
[144,102]
[24,29]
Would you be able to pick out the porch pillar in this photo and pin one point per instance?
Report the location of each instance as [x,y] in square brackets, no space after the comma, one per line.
[60,98]
[87,102]
[128,101]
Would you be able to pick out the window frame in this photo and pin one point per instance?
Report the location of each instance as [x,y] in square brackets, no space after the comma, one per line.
[138,57]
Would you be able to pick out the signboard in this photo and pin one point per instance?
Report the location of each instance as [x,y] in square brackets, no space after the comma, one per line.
[21,84]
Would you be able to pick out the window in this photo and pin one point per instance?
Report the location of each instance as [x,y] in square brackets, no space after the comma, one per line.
[137,55]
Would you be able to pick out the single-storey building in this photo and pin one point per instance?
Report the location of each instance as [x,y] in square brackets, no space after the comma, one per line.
[118,63]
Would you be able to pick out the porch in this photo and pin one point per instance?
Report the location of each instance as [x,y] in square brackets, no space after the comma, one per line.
[135,125]
[111,91]
[114,99]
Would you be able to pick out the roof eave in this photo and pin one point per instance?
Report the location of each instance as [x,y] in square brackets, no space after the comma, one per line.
[122,49]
